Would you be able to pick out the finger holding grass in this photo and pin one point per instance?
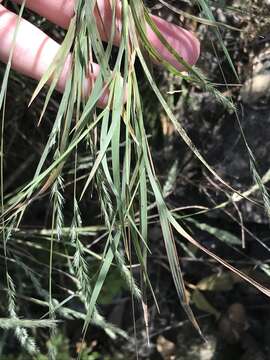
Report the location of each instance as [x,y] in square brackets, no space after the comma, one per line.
[34,51]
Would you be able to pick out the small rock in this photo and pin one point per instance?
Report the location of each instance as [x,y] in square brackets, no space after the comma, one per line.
[256,89]
[166,348]
[233,324]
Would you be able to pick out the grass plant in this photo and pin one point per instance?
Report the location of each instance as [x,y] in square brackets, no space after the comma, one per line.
[121,172]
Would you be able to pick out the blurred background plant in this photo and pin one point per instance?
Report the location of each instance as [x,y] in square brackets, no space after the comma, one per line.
[72,258]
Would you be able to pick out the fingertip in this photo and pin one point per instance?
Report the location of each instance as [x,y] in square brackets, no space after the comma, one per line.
[193,49]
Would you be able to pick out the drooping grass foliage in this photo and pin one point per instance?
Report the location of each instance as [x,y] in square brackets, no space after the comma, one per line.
[121,172]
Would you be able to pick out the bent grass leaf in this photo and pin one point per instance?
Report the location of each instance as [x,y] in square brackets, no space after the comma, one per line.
[194,242]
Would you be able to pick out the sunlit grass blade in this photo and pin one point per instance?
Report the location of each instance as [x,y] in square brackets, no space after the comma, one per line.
[54,71]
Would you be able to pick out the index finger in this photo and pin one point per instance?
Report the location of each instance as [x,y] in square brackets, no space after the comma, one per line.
[184,42]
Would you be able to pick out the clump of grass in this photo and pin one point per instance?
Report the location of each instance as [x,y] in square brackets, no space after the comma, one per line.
[122,172]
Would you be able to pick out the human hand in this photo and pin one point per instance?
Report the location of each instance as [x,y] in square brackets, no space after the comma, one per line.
[34,51]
